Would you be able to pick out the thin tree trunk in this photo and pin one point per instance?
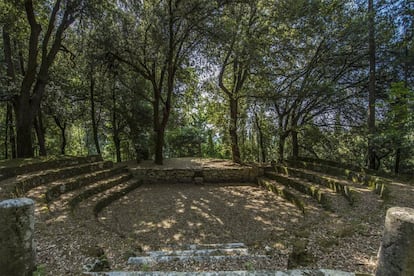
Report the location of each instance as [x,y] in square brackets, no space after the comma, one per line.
[397,161]
[398,151]
[295,144]
[115,129]
[9,131]
[12,136]
[233,130]
[371,85]
[62,127]
[40,133]
[93,115]
[281,147]
[260,139]
[6,134]
[159,145]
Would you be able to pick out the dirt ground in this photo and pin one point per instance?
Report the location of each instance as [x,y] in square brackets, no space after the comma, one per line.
[171,216]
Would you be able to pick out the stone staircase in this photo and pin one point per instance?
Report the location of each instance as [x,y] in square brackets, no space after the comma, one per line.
[195,253]
[296,272]
[63,184]
[207,253]
[318,184]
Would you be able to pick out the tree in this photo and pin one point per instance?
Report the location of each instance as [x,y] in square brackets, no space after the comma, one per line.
[156,40]
[237,51]
[41,53]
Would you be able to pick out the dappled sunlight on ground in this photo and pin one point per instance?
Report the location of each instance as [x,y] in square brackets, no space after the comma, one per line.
[185,214]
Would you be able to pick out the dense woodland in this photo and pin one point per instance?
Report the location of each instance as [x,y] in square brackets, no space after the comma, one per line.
[253,80]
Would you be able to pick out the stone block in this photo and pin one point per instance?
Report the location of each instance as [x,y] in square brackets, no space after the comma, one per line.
[396,254]
[17,250]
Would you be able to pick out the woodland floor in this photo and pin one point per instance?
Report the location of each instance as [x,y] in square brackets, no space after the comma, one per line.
[155,217]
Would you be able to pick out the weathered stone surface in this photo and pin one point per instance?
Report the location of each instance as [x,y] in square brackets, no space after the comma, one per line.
[396,254]
[209,175]
[17,250]
[197,253]
[305,272]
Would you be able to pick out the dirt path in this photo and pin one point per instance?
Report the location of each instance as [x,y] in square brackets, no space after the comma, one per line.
[169,216]
[157,217]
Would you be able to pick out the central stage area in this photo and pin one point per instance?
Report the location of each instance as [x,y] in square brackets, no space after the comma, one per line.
[193,170]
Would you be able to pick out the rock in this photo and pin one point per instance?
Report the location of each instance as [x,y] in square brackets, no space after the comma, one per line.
[17,250]
[97,265]
[396,254]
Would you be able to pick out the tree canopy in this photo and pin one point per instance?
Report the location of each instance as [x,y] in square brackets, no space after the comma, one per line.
[252,80]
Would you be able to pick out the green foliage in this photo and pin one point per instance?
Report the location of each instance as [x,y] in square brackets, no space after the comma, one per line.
[291,67]
[185,142]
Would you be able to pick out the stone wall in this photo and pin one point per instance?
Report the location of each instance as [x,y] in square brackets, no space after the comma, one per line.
[209,175]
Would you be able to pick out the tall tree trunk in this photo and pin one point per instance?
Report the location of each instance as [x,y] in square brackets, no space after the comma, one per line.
[260,139]
[24,126]
[398,151]
[295,144]
[12,134]
[233,130]
[9,133]
[371,85]
[62,127]
[93,114]
[281,147]
[159,146]
[397,161]
[6,134]
[115,129]
[27,103]
[158,132]
[40,133]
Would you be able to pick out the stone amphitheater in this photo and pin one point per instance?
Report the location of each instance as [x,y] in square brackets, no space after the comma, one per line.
[89,216]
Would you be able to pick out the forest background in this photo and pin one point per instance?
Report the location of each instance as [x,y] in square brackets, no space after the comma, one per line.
[252,80]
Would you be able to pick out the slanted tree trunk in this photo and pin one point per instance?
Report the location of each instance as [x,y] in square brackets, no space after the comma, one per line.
[371,85]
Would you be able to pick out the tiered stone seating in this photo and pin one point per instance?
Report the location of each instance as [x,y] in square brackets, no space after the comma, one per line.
[352,173]
[326,184]
[62,184]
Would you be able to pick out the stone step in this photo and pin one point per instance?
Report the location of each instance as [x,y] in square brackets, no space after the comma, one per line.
[284,192]
[27,182]
[340,186]
[24,166]
[99,188]
[232,245]
[200,252]
[46,193]
[98,202]
[60,187]
[309,189]
[296,272]
[334,164]
[378,184]
[197,253]
[149,260]
[72,198]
